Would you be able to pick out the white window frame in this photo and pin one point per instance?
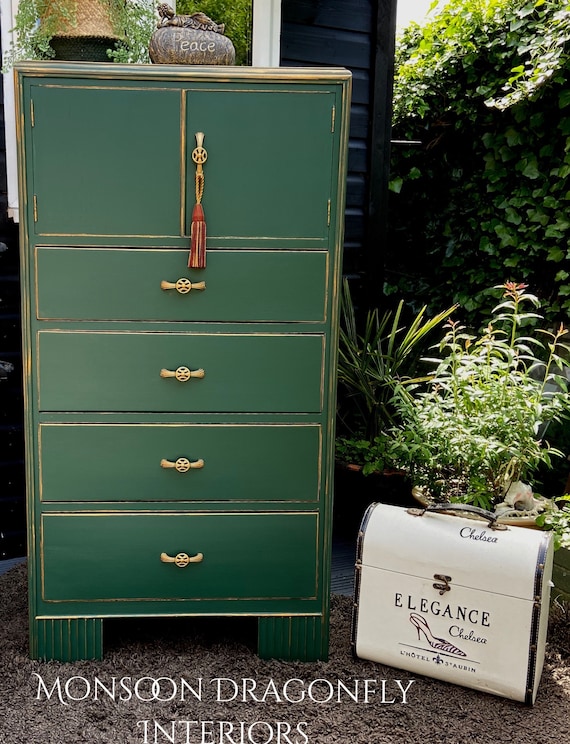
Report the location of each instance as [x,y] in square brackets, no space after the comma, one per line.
[8,9]
[266,48]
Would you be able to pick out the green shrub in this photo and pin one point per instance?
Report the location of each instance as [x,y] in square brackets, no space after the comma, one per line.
[485,198]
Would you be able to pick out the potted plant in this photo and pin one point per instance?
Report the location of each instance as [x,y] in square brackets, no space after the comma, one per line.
[376,355]
[474,432]
[558,521]
[97,30]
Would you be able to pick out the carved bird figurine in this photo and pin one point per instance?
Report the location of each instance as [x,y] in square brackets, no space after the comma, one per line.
[198,20]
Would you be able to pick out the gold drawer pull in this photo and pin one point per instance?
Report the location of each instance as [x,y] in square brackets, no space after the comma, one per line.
[183,464]
[183,285]
[182,374]
[182,559]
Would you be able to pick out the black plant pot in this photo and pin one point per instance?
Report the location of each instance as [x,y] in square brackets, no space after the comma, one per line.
[354,492]
[82,48]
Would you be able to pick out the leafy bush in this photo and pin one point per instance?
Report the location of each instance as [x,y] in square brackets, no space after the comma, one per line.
[559,522]
[38,21]
[484,86]
[137,23]
[477,426]
[377,354]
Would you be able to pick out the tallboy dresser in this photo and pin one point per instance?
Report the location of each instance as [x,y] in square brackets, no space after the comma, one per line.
[180,420]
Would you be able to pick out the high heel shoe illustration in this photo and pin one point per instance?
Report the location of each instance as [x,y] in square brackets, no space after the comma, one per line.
[440,644]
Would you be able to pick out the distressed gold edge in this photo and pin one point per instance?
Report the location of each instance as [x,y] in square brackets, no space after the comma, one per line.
[177,513]
[284,239]
[129,332]
[27,345]
[183,162]
[172,248]
[211,613]
[65,86]
[170,600]
[181,424]
[180,88]
[331,360]
[114,71]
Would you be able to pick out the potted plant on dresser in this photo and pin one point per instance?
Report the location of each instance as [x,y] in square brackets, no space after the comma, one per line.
[92,30]
[474,432]
[377,353]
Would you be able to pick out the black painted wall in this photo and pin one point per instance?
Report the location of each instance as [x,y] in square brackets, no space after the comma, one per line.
[358,35]
[12,488]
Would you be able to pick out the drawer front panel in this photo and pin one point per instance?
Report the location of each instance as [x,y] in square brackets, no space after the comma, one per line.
[92,284]
[90,557]
[92,371]
[123,462]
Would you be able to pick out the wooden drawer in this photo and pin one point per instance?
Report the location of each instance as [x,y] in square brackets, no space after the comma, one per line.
[119,371]
[82,462]
[125,284]
[110,557]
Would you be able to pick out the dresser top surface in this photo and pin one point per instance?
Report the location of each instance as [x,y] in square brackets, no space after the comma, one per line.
[188,73]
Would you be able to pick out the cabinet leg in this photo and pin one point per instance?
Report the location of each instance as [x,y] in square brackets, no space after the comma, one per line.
[304,638]
[67,639]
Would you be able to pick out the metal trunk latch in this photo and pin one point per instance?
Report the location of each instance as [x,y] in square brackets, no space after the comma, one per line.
[444,586]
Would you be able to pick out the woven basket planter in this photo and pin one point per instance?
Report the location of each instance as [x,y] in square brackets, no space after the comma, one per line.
[86,34]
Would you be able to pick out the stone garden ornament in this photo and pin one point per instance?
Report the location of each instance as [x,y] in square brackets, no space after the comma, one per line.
[189,40]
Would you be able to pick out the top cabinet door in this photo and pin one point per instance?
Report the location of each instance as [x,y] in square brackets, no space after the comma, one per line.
[105,161]
[110,160]
[268,175]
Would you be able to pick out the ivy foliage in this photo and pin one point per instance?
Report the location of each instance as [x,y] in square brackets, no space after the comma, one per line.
[484,195]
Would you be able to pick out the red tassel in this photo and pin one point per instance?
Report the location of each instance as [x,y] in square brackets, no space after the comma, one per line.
[197,258]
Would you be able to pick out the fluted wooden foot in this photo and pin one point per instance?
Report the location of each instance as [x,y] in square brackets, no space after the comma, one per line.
[67,639]
[304,638]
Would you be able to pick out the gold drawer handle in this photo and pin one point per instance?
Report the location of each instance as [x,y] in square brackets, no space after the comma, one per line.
[182,559]
[182,374]
[183,464]
[183,285]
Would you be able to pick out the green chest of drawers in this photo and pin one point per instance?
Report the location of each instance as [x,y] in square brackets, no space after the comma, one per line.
[180,443]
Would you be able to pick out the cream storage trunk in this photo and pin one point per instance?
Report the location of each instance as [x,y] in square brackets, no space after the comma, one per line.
[452,598]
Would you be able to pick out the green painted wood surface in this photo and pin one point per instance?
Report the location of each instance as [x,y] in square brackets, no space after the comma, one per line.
[128,162]
[125,284]
[67,639]
[253,188]
[293,638]
[108,189]
[89,371]
[113,463]
[89,557]
[105,161]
